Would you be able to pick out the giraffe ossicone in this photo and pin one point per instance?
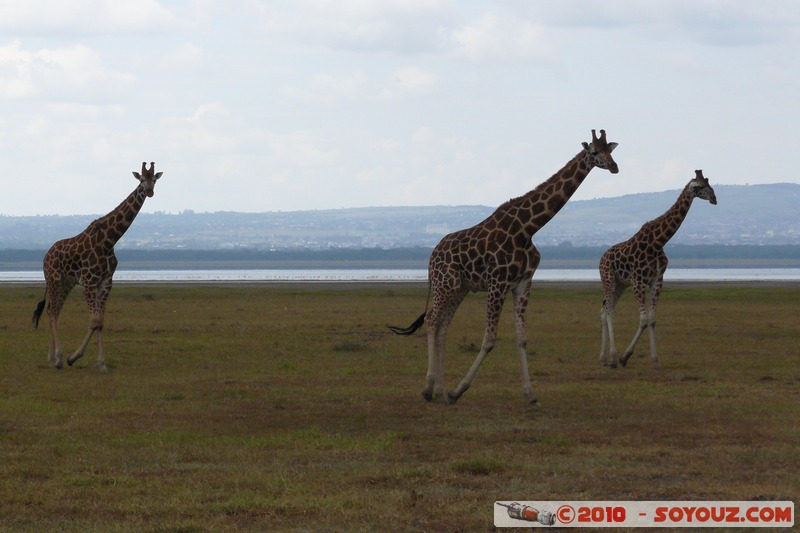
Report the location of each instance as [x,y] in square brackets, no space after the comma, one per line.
[641,262]
[88,260]
[497,256]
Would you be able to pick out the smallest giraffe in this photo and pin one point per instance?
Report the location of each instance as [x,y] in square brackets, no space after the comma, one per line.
[641,262]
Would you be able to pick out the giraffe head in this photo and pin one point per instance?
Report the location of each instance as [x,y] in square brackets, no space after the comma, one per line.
[148,178]
[600,152]
[700,188]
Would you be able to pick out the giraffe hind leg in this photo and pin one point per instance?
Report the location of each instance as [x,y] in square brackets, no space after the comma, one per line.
[613,289]
[55,355]
[428,392]
[56,295]
[603,336]
[445,304]
[608,349]
[434,379]
[493,309]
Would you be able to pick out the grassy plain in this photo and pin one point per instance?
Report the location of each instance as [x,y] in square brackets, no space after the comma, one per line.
[294,408]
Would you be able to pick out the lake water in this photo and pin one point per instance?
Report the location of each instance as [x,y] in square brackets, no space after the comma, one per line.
[416,275]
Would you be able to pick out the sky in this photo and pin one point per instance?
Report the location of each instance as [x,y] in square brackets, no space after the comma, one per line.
[256,106]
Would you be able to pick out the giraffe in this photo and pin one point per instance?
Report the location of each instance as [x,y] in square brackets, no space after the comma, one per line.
[641,262]
[88,259]
[497,256]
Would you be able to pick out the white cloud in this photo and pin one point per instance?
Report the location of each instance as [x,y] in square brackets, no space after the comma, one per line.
[207,130]
[292,104]
[408,81]
[327,88]
[83,16]
[396,25]
[717,22]
[385,146]
[346,85]
[491,37]
[188,56]
[55,72]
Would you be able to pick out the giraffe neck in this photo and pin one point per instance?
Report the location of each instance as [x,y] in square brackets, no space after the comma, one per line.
[114,225]
[536,208]
[664,227]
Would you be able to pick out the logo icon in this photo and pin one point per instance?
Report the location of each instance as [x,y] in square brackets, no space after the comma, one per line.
[528,513]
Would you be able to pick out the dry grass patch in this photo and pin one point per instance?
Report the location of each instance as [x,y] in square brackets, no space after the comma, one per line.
[255,408]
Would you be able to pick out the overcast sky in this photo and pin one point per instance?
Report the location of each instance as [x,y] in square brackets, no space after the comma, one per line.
[312,104]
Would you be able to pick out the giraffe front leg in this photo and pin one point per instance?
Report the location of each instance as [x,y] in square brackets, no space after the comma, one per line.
[629,351]
[96,300]
[102,297]
[82,348]
[651,320]
[521,296]
[486,346]
[651,328]
[101,360]
[101,364]
[640,292]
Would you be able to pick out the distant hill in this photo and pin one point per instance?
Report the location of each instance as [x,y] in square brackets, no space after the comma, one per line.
[746,214]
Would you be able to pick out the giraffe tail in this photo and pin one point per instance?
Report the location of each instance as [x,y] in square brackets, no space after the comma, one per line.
[417,323]
[37,314]
[410,329]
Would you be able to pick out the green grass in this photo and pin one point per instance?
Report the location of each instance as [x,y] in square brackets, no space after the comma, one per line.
[257,408]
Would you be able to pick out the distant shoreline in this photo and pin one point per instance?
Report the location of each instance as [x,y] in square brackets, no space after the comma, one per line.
[390,285]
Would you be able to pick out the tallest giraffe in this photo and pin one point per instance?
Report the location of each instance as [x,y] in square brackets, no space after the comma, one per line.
[498,256]
[88,259]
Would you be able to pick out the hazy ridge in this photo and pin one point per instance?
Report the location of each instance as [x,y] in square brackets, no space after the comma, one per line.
[753,215]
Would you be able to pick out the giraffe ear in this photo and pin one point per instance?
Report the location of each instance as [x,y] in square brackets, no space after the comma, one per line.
[137,176]
[585,145]
[158,175]
[611,147]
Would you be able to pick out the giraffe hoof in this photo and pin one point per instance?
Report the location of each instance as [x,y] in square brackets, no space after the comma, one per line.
[428,396]
[451,398]
[58,366]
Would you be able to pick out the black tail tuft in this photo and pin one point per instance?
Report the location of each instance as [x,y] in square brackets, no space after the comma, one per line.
[410,329]
[38,314]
